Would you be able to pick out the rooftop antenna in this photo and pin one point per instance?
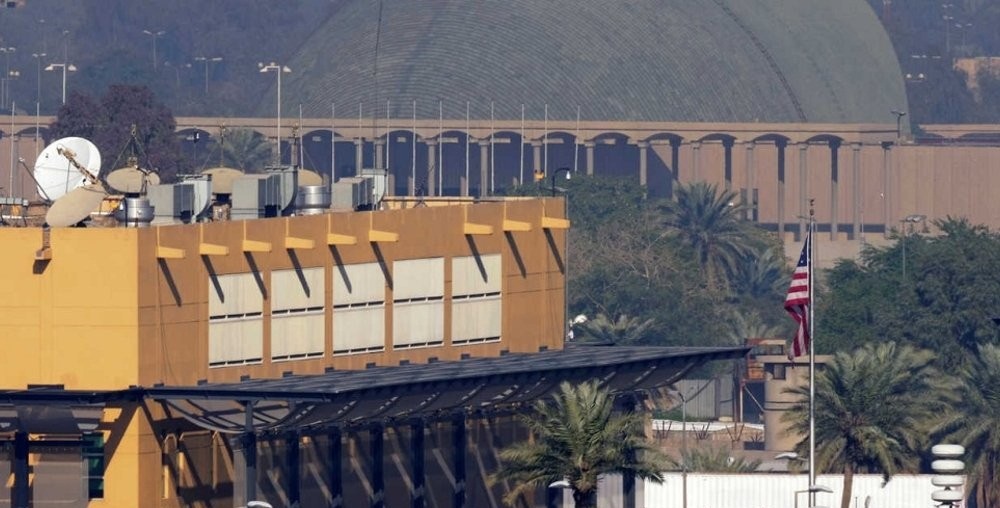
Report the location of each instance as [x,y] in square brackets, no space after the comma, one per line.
[378,37]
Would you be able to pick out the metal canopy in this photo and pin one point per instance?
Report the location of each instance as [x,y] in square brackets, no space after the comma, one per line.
[430,391]
[380,394]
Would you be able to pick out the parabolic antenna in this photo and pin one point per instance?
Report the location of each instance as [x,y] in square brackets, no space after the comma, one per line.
[309,177]
[75,206]
[129,180]
[59,168]
[222,179]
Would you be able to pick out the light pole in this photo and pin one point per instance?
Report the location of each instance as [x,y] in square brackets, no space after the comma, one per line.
[11,76]
[812,490]
[568,327]
[899,123]
[65,67]
[684,449]
[177,72]
[911,220]
[280,69]
[154,35]
[207,61]
[555,491]
[38,94]
[5,92]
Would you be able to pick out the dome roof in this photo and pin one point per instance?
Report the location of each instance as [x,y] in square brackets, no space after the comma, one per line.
[643,60]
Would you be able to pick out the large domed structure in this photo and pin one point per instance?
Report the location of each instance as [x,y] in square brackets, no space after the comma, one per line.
[643,60]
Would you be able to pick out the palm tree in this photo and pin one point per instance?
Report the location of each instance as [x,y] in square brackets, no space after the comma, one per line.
[709,223]
[715,460]
[874,408]
[747,325]
[760,273]
[246,150]
[975,424]
[578,437]
[624,330]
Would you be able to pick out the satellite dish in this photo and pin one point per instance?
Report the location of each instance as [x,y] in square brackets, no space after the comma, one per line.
[75,206]
[222,179]
[309,177]
[129,180]
[61,166]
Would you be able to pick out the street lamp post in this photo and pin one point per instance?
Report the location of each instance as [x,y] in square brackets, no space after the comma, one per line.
[899,123]
[5,91]
[911,220]
[38,94]
[207,60]
[154,35]
[812,490]
[65,67]
[280,69]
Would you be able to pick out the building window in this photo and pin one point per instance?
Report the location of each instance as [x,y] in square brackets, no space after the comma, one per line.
[418,303]
[475,302]
[358,308]
[235,320]
[93,459]
[297,314]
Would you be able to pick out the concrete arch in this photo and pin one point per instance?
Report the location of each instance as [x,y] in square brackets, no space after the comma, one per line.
[511,159]
[614,156]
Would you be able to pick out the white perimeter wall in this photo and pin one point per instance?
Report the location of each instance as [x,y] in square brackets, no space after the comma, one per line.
[778,491]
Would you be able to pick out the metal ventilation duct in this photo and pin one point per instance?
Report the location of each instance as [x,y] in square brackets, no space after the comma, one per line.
[352,193]
[174,203]
[271,194]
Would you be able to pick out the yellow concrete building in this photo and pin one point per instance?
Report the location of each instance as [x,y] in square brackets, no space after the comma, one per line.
[318,355]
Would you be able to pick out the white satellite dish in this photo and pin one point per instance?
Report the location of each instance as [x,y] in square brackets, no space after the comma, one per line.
[222,179]
[308,177]
[62,165]
[130,180]
[75,206]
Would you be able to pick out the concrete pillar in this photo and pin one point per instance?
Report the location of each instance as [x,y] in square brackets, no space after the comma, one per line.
[484,167]
[417,470]
[411,188]
[857,213]
[248,453]
[359,144]
[20,492]
[431,166]
[335,479]
[834,187]
[375,437]
[886,187]
[781,144]
[536,156]
[292,466]
[750,180]
[727,150]
[390,184]
[675,165]
[458,458]
[803,188]
[643,166]
[379,146]
[589,147]
[695,161]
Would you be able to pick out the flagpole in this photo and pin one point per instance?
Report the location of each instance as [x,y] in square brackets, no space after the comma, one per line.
[812,356]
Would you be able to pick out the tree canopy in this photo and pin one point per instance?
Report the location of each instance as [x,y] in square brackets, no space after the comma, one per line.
[127,120]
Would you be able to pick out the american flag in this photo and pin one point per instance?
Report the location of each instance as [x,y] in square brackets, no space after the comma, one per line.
[797,300]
